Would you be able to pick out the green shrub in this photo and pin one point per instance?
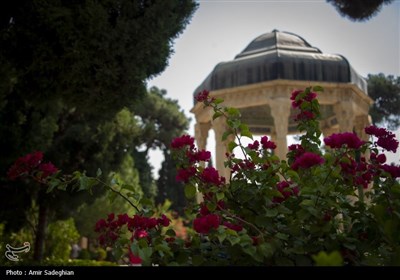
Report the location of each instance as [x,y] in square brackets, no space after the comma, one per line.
[61,234]
[85,254]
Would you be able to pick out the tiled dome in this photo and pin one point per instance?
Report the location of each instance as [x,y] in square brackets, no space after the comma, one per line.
[281,55]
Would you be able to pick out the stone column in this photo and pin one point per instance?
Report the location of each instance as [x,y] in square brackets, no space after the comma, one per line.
[360,123]
[201,134]
[221,147]
[345,115]
[280,111]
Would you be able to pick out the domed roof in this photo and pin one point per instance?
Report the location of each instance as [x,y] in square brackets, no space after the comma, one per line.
[281,55]
[277,40]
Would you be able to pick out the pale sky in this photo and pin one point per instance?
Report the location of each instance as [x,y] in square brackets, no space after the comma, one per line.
[219,30]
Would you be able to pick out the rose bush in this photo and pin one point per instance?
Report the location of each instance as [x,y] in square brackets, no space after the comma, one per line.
[326,206]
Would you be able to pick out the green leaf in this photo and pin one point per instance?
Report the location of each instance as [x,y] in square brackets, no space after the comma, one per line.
[318,88]
[299,250]
[53,184]
[396,189]
[233,123]
[86,183]
[293,175]
[190,191]
[118,252]
[232,145]
[282,236]
[216,115]
[324,259]
[170,232]
[226,134]
[233,239]
[307,202]
[197,260]
[145,255]
[112,196]
[349,246]
[218,101]
[163,248]
[283,210]
[231,232]
[142,243]
[220,196]
[246,133]
[262,221]
[379,212]
[390,228]
[250,250]
[135,248]
[128,187]
[265,249]
[274,158]
[182,258]
[211,206]
[302,214]
[271,212]
[221,237]
[146,202]
[233,112]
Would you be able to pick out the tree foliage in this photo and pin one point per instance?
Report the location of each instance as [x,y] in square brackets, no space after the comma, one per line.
[161,119]
[168,187]
[66,65]
[92,55]
[385,91]
[358,10]
[71,73]
[62,234]
[87,214]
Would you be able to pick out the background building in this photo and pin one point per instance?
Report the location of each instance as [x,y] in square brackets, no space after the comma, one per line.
[259,82]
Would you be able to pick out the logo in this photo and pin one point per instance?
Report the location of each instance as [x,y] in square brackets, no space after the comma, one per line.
[12,252]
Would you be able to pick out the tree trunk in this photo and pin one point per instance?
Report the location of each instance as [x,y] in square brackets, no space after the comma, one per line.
[41,227]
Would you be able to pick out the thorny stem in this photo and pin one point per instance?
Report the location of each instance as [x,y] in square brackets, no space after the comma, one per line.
[319,193]
[240,144]
[329,174]
[119,193]
[241,220]
[317,200]
[235,131]
[361,193]
[234,200]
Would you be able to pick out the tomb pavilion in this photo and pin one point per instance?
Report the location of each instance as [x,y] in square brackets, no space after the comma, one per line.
[259,82]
